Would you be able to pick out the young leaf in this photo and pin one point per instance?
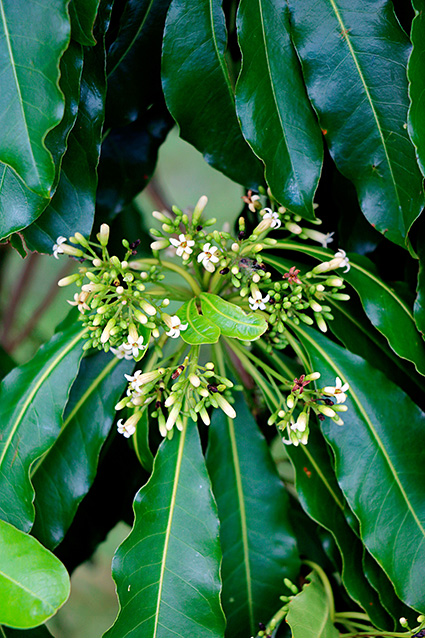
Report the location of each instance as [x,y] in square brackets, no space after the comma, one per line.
[378,464]
[33,37]
[32,400]
[167,570]
[276,116]
[194,63]
[416,119]
[33,582]
[259,548]
[87,420]
[361,105]
[230,319]
[199,328]
[83,15]
[309,614]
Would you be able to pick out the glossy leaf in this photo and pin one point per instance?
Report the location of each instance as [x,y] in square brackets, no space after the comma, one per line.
[132,86]
[167,570]
[388,499]
[276,116]
[87,421]
[194,64]
[32,400]
[416,120]
[33,37]
[419,306]
[72,207]
[200,329]
[309,614]
[83,15]
[15,196]
[248,490]
[354,55]
[141,442]
[388,312]
[33,582]
[230,319]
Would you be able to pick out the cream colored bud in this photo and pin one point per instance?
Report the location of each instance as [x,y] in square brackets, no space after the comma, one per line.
[204,416]
[121,404]
[93,287]
[235,247]
[165,303]
[293,228]
[204,392]
[262,226]
[132,331]
[327,410]
[256,278]
[171,399]
[71,250]
[195,380]
[66,281]
[124,265]
[160,244]
[141,318]
[225,406]
[335,282]
[161,217]
[290,402]
[103,235]
[155,333]
[315,306]
[320,288]
[120,290]
[97,262]
[81,239]
[313,376]
[323,267]
[173,415]
[147,307]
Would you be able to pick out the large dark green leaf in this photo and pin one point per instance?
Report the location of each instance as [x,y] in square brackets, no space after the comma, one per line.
[83,15]
[33,582]
[72,207]
[309,614]
[255,533]
[388,312]
[379,464]
[33,37]
[199,329]
[134,61]
[416,77]
[354,55]
[87,420]
[194,64]
[276,116]
[32,400]
[19,206]
[230,319]
[167,570]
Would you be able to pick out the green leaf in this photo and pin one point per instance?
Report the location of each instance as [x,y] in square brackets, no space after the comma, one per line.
[416,119]
[26,205]
[378,464]
[33,37]
[231,320]
[72,207]
[276,116]
[256,539]
[167,570]
[199,329]
[83,15]
[194,64]
[33,582]
[87,421]
[390,314]
[141,442]
[32,400]
[309,614]
[362,104]
[132,86]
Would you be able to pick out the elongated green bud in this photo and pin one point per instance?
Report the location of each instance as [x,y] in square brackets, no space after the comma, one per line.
[71,250]
[225,406]
[66,281]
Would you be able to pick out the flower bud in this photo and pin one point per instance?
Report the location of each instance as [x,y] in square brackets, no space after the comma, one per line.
[204,415]
[290,401]
[315,306]
[195,380]
[320,322]
[326,410]
[312,376]
[334,282]
[103,235]
[159,245]
[323,267]
[225,406]
[147,307]
[66,281]
[160,217]
[93,287]
[198,210]
[293,228]
[172,417]
[71,250]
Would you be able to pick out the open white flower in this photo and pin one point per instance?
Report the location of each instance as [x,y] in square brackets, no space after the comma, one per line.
[175,327]
[133,345]
[344,261]
[127,429]
[316,235]
[338,390]
[80,301]
[121,353]
[276,223]
[183,246]
[208,257]
[257,301]
[57,248]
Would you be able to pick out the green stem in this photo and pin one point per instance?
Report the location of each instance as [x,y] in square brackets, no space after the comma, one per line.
[169,266]
[268,369]
[351,614]
[272,356]
[326,585]
[299,351]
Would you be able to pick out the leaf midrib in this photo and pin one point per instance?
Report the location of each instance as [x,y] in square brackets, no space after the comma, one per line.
[249,325]
[29,591]
[218,54]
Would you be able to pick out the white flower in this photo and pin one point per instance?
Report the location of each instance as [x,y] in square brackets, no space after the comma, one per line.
[57,249]
[208,257]
[183,246]
[257,301]
[276,223]
[127,429]
[121,353]
[251,205]
[133,345]
[175,327]
[80,301]
[301,423]
[344,261]
[316,235]
[338,391]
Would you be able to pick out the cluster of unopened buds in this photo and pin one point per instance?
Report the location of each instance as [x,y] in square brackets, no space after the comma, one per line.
[293,418]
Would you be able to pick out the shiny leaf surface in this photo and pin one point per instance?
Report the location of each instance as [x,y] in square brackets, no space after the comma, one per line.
[141,442]
[33,582]
[167,570]
[83,15]
[271,100]
[194,63]
[33,37]
[248,490]
[230,319]
[378,464]
[72,461]
[416,120]
[309,614]
[199,328]
[32,400]
[354,55]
